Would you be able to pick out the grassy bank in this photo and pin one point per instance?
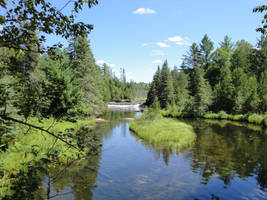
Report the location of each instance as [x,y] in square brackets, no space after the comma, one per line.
[159,131]
[32,152]
[259,119]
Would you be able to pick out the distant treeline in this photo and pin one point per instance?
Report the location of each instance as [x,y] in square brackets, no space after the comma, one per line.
[60,82]
[119,90]
[232,78]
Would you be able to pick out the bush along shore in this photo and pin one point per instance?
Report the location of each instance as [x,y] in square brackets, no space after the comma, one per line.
[33,152]
[162,132]
[253,118]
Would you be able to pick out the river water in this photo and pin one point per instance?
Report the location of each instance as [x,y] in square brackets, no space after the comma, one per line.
[226,161]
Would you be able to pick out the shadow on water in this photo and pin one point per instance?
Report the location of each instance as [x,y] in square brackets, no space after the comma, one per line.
[226,161]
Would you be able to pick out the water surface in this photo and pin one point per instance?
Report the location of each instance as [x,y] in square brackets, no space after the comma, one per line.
[226,161]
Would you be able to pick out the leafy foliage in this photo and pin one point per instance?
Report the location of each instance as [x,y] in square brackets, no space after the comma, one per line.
[24,18]
[261,9]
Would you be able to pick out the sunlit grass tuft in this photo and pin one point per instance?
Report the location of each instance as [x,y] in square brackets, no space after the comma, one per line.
[163,131]
[256,119]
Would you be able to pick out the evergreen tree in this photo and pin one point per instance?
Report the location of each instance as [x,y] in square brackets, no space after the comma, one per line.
[107,76]
[242,56]
[60,94]
[263,91]
[227,43]
[193,57]
[240,82]
[206,47]
[224,91]
[154,90]
[180,85]
[166,87]
[202,97]
[191,61]
[259,57]
[88,75]
[253,101]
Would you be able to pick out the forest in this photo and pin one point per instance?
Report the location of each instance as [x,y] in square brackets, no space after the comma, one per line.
[231,78]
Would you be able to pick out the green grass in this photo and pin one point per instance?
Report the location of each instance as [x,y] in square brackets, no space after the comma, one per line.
[256,119]
[20,150]
[163,132]
[259,119]
[31,146]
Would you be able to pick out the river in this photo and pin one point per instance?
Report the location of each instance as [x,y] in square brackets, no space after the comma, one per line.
[227,161]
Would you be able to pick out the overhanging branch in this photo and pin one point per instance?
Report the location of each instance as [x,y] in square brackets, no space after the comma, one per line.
[39,128]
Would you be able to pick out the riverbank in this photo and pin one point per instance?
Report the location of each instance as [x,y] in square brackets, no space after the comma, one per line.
[33,152]
[159,131]
[258,119]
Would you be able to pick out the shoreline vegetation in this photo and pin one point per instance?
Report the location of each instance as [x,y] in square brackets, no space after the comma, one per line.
[30,155]
[228,82]
[253,118]
[157,128]
[162,132]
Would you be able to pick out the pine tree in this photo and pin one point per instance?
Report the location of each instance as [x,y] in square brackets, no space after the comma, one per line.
[193,57]
[154,90]
[180,85]
[60,90]
[191,61]
[206,47]
[166,87]
[88,74]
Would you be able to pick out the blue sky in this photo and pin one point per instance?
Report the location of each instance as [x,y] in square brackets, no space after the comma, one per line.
[140,34]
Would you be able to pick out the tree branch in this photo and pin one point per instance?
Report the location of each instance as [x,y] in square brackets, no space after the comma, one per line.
[39,128]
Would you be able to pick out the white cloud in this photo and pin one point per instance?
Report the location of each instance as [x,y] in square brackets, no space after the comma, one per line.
[142,11]
[180,40]
[158,53]
[161,44]
[183,43]
[157,62]
[175,39]
[145,44]
[101,62]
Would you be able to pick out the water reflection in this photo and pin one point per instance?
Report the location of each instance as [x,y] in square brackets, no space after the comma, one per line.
[229,152]
[226,161]
[78,179]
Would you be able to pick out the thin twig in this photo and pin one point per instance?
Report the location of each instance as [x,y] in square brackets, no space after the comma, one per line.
[39,128]
[65,6]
